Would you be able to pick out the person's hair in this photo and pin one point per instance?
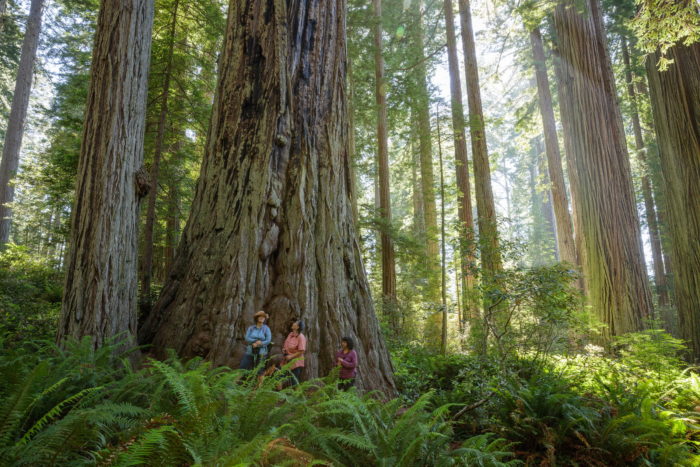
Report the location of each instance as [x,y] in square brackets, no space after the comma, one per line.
[299,322]
[349,341]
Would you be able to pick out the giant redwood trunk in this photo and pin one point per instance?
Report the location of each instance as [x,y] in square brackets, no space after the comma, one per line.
[675,98]
[18,115]
[271,224]
[100,293]
[606,213]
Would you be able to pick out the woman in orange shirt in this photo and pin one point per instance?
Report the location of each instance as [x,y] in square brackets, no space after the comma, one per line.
[294,348]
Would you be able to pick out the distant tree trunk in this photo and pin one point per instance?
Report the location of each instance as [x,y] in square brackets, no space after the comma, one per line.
[464,203]
[421,107]
[443,256]
[271,223]
[351,145]
[3,10]
[18,115]
[611,247]
[388,261]
[548,205]
[172,222]
[675,98]
[647,194]
[565,232]
[417,198]
[100,294]
[147,266]
[485,206]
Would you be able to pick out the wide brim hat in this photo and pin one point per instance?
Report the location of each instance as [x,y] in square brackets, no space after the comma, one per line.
[261,313]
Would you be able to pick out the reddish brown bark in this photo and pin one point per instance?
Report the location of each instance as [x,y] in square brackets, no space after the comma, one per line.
[271,224]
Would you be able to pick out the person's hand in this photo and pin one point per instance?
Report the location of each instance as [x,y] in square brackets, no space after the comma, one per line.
[340,361]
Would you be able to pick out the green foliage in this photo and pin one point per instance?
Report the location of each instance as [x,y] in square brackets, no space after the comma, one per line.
[30,296]
[661,24]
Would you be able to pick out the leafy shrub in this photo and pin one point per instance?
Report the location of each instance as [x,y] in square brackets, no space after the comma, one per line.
[30,296]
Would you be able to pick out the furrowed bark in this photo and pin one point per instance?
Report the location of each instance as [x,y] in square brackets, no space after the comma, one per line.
[675,98]
[271,225]
[611,249]
[100,294]
[18,114]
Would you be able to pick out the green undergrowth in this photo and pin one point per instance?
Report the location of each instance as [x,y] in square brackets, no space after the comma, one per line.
[83,407]
[640,406]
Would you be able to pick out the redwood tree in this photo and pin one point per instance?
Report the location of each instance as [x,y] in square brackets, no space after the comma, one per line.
[606,213]
[18,115]
[464,208]
[387,245]
[271,225]
[565,232]
[100,294]
[675,98]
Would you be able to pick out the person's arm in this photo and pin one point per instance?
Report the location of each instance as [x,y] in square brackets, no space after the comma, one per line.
[301,348]
[350,360]
[268,336]
[249,336]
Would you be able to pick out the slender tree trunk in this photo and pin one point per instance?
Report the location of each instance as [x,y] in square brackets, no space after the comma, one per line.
[675,98]
[611,247]
[172,228]
[351,144]
[18,115]
[421,107]
[147,266]
[100,294]
[647,194]
[271,223]
[548,205]
[417,198]
[443,283]
[464,200]
[388,261]
[565,232]
[485,206]
[3,11]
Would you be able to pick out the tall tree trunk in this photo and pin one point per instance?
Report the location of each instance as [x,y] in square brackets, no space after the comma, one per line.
[485,206]
[147,266]
[565,232]
[548,204]
[100,294]
[647,193]
[3,11]
[271,223]
[387,246]
[18,115]
[611,249]
[421,107]
[443,256]
[675,98]
[464,200]
[351,145]
[172,223]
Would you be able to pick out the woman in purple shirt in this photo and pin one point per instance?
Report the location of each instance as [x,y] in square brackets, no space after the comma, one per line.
[346,359]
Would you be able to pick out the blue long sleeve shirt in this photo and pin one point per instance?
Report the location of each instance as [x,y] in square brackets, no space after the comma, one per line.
[261,334]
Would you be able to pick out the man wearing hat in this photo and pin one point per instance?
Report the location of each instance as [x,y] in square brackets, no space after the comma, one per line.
[257,339]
